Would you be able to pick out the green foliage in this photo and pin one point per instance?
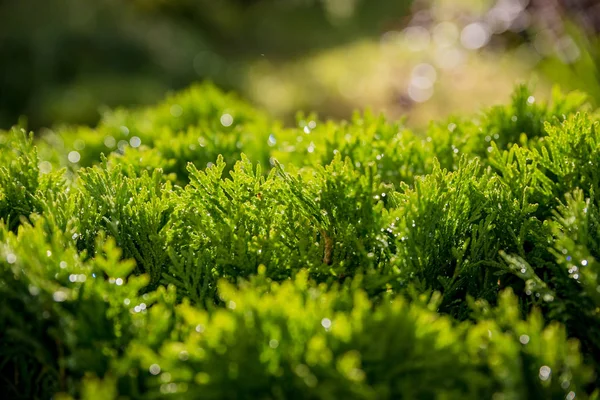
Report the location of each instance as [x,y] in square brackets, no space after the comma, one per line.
[61,317]
[445,224]
[133,209]
[194,126]
[217,254]
[22,187]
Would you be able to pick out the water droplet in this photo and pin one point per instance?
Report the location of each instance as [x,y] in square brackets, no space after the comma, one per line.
[110,142]
[119,281]
[524,339]
[584,262]
[74,156]
[545,372]
[418,91]
[11,258]
[59,296]
[548,297]
[154,369]
[273,344]
[226,120]
[165,377]
[135,141]
[326,323]
[474,36]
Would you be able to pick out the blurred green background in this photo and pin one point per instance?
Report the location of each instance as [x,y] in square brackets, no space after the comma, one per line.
[64,61]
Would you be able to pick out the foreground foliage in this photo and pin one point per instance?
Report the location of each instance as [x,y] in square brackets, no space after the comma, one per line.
[214,253]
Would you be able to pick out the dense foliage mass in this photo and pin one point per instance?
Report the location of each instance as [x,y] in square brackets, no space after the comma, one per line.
[199,249]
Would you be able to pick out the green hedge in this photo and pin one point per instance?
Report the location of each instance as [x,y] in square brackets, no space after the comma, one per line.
[200,249]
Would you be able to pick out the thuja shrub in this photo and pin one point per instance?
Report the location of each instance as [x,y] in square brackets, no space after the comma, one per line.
[200,249]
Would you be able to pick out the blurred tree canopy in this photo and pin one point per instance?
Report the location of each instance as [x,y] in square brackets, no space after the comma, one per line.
[62,59]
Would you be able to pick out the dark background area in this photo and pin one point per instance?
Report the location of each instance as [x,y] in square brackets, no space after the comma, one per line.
[63,61]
